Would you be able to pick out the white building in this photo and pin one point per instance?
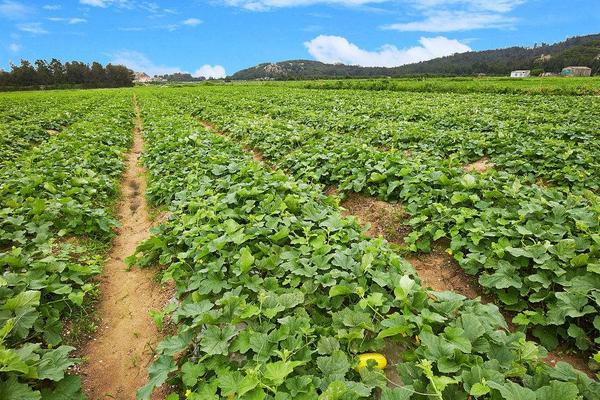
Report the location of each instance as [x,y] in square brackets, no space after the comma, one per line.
[523,73]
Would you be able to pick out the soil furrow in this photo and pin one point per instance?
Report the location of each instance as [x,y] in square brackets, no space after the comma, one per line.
[121,350]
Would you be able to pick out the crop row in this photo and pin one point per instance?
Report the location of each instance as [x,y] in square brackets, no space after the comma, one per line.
[535,246]
[55,218]
[550,138]
[27,119]
[276,292]
[533,86]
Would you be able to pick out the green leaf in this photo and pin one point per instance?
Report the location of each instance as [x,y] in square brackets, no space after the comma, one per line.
[580,260]
[327,345]
[11,361]
[191,372]
[13,390]
[334,367]
[67,389]
[468,181]
[158,372]
[54,363]
[400,393]
[558,391]
[513,391]
[174,344]
[340,290]
[216,340]
[77,297]
[246,260]
[404,287]
[479,389]
[276,372]
[335,391]
[26,299]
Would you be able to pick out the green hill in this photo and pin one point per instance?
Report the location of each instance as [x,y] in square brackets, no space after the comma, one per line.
[581,50]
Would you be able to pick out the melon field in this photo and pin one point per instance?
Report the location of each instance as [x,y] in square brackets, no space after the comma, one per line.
[300,241]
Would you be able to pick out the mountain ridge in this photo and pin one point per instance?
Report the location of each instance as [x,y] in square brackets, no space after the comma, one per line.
[577,50]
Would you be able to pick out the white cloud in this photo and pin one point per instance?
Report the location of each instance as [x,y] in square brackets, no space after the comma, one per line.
[13,9]
[334,49]
[263,5]
[35,28]
[459,15]
[155,10]
[14,47]
[165,27]
[500,6]
[454,21]
[52,7]
[151,7]
[139,62]
[106,3]
[210,71]
[191,22]
[70,21]
[95,3]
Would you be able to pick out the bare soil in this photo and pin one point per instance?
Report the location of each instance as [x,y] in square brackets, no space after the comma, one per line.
[210,126]
[118,356]
[378,217]
[481,165]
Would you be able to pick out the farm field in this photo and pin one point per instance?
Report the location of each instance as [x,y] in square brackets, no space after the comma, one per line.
[275,288]
[534,85]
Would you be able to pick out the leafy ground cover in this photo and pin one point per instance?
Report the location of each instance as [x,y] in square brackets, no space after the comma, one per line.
[531,86]
[528,227]
[277,293]
[27,119]
[55,218]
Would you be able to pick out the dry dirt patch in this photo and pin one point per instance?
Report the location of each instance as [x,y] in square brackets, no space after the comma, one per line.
[481,165]
[118,356]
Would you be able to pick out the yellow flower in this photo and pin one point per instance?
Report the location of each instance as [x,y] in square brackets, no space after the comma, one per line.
[188,393]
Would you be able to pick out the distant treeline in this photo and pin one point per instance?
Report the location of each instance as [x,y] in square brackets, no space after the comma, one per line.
[181,77]
[55,74]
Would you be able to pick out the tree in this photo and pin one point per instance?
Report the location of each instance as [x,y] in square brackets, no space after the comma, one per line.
[97,75]
[118,75]
[43,72]
[76,72]
[59,74]
[24,74]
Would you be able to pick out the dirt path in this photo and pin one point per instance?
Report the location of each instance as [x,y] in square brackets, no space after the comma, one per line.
[119,354]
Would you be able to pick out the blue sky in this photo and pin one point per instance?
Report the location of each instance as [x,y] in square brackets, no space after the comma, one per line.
[214,37]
